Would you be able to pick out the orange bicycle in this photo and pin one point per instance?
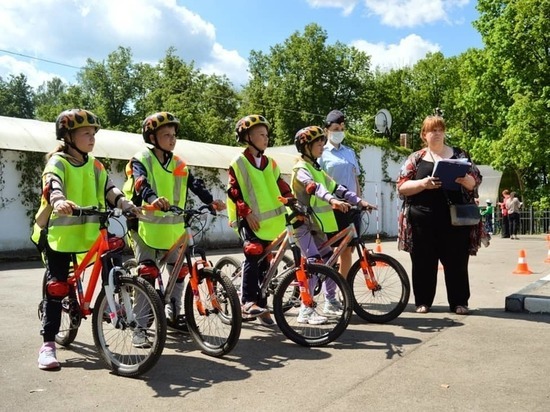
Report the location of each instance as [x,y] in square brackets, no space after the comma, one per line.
[295,286]
[379,283]
[116,322]
[211,305]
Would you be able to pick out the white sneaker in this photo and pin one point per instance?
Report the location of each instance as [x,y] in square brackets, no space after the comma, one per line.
[46,356]
[333,307]
[310,316]
[140,340]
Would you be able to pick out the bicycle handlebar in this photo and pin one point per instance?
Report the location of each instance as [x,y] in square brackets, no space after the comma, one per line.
[176,210]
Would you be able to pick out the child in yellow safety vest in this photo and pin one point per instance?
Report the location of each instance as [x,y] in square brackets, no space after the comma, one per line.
[158,177]
[255,183]
[72,178]
[312,186]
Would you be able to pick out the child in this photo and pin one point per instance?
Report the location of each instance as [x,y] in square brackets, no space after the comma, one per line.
[314,187]
[71,178]
[157,177]
[255,184]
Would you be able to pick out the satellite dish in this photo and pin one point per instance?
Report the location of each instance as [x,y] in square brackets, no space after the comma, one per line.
[382,122]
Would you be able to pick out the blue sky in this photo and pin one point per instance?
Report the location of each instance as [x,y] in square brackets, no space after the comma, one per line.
[218,35]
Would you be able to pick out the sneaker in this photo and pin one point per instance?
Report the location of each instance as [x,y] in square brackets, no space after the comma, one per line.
[46,356]
[140,340]
[251,308]
[310,316]
[178,324]
[333,307]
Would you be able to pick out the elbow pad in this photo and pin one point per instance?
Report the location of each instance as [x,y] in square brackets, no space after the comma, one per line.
[311,188]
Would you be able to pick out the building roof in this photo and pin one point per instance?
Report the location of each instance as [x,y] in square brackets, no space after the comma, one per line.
[37,136]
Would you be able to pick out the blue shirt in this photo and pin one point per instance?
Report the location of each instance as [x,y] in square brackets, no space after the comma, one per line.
[340,164]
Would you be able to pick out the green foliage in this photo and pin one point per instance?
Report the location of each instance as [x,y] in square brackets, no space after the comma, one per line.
[301,80]
[16,97]
[30,164]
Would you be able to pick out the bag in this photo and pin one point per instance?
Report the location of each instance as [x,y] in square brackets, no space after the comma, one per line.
[464,215]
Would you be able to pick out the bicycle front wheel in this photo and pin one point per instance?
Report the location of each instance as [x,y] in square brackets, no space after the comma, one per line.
[213,315]
[134,344]
[384,299]
[319,324]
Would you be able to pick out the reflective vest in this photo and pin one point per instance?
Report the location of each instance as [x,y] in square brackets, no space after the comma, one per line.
[260,192]
[323,210]
[83,185]
[161,231]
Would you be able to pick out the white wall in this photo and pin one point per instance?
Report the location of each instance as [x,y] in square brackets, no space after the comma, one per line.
[16,226]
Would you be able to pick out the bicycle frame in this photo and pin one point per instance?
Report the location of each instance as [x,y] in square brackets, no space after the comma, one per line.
[286,240]
[347,235]
[101,251]
[183,247]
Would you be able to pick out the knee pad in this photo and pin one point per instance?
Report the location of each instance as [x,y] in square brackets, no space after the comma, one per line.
[56,289]
[148,270]
[253,248]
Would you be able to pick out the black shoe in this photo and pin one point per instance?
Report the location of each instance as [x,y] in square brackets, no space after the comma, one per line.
[178,324]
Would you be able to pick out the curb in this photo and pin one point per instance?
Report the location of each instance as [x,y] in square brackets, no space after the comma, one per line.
[534,298]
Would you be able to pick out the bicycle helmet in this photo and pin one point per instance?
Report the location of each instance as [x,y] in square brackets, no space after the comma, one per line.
[245,124]
[73,119]
[306,136]
[156,120]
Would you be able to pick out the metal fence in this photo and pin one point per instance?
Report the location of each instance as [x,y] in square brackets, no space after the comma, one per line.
[532,222]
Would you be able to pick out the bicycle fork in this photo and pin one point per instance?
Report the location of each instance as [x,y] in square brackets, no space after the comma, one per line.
[194,281]
[111,287]
[368,273]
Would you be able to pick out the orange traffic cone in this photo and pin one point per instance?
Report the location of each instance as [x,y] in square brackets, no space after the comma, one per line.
[378,249]
[522,268]
[547,260]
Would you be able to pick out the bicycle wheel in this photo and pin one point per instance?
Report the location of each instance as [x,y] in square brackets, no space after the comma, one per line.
[135,343]
[289,311]
[70,316]
[388,298]
[218,328]
[230,267]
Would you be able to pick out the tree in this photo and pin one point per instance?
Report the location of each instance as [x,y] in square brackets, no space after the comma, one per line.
[112,86]
[16,97]
[516,34]
[301,80]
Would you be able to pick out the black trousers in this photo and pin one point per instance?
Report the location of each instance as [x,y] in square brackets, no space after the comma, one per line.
[57,267]
[253,270]
[435,239]
[505,227]
[513,219]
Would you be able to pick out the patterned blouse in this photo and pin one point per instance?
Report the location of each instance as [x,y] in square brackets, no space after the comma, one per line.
[408,172]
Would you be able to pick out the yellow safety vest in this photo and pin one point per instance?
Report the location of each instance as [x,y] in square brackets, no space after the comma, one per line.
[83,185]
[260,192]
[161,231]
[323,210]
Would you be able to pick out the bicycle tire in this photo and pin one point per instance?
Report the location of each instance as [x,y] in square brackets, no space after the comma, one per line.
[230,267]
[70,315]
[286,310]
[390,299]
[115,345]
[218,331]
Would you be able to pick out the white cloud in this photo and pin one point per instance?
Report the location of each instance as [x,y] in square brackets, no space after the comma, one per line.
[68,31]
[392,56]
[229,63]
[411,13]
[347,6]
[35,77]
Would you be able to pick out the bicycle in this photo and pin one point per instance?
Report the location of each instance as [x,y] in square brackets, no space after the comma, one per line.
[211,304]
[379,283]
[115,322]
[299,285]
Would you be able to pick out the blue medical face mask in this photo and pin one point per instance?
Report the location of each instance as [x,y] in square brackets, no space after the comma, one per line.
[336,137]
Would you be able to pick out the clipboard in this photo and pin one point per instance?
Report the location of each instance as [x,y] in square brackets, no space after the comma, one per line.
[447,170]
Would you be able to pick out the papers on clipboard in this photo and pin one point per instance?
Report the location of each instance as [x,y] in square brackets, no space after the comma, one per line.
[447,170]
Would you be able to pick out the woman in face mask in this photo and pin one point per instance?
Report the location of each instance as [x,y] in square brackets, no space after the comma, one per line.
[340,162]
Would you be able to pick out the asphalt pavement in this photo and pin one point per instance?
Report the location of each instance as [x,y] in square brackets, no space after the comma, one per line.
[491,360]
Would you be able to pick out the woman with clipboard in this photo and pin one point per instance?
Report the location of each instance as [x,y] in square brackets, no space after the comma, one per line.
[425,229]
